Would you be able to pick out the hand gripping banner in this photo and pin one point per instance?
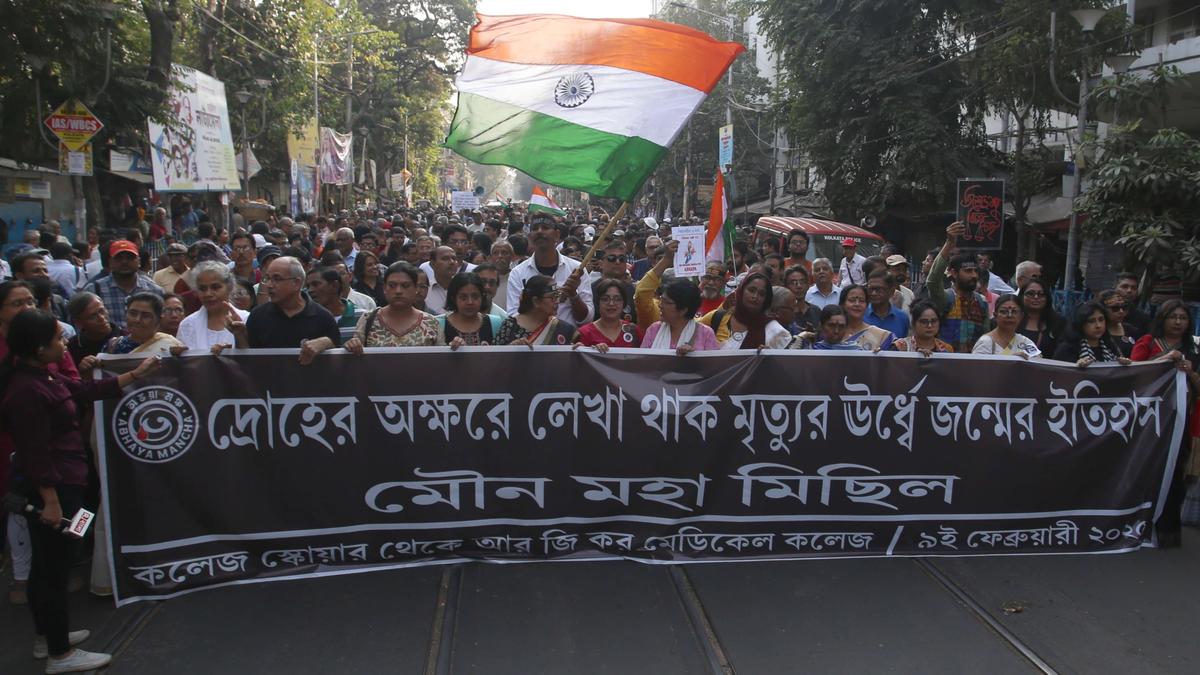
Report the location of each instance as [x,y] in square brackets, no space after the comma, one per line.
[250,467]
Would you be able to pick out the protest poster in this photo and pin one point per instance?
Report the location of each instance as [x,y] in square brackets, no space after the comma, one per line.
[689,257]
[194,152]
[247,467]
[463,200]
[981,210]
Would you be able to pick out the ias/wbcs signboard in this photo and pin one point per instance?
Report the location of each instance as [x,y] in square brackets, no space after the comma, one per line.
[73,124]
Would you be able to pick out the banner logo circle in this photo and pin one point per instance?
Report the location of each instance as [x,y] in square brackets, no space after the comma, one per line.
[155,424]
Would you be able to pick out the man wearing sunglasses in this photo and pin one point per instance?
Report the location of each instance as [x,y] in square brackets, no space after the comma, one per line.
[1127,287]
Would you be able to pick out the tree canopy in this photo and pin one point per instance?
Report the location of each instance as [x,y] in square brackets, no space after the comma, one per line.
[405,54]
[887,98]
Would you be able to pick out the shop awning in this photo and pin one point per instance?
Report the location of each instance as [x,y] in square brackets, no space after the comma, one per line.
[144,178]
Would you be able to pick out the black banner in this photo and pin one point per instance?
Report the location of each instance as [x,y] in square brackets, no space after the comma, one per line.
[252,467]
[981,210]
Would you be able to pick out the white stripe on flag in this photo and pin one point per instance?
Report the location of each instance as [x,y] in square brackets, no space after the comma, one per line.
[622,102]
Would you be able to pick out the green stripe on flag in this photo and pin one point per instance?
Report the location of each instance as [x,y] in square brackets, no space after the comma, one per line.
[535,207]
[551,150]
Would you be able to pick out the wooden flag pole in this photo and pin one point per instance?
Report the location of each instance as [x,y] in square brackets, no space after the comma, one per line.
[600,237]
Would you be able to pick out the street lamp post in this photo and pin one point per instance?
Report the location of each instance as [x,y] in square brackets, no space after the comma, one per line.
[243,98]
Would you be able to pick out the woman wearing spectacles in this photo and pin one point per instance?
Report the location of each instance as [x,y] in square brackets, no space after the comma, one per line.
[677,328]
[1041,324]
[610,329]
[926,322]
[1004,340]
[535,322]
[1119,328]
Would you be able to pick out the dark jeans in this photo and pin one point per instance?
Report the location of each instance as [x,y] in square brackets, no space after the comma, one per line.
[53,555]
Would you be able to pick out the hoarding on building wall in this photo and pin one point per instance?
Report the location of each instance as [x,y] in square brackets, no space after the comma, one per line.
[194,151]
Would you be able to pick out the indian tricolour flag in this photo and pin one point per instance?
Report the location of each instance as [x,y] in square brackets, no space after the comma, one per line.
[584,104]
[540,201]
[718,241]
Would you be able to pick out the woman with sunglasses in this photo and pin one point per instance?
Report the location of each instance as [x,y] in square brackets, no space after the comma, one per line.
[535,322]
[1041,324]
[610,329]
[1004,340]
[1118,327]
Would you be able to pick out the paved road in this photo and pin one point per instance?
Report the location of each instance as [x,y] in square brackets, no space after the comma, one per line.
[1132,613]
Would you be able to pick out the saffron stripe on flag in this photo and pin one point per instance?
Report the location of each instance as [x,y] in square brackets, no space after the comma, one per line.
[611,102]
[658,48]
[551,150]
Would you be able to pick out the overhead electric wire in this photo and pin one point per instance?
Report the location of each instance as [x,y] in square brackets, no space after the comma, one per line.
[212,17]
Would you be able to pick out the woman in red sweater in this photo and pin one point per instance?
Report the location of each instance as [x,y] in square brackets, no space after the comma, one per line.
[1170,338]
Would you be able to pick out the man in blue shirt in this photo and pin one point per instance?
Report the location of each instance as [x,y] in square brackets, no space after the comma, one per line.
[880,311]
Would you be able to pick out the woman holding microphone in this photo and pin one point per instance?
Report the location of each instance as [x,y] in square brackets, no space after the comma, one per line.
[40,411]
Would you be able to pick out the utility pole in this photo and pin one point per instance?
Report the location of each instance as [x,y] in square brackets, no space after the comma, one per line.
[687,165]
[349,80]
[1087,19]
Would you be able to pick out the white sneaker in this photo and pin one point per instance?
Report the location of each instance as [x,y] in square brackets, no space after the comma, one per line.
[77,661]
[74,637]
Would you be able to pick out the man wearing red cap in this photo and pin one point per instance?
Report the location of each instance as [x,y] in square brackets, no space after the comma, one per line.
[850,271]
[123,280]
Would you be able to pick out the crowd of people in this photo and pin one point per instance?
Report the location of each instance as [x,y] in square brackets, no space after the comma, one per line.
[428,277]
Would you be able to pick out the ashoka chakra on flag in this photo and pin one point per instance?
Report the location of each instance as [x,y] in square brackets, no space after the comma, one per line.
[584,104]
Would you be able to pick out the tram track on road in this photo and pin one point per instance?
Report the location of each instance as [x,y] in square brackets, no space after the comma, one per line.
[982,614]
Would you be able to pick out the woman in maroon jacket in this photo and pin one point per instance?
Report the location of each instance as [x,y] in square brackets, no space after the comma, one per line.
[41,415]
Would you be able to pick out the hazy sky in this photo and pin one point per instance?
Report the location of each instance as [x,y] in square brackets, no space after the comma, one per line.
[592,8]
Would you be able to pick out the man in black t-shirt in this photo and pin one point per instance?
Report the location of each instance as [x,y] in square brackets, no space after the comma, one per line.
[289,320]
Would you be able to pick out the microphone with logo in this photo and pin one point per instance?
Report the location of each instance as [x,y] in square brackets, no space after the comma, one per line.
[75,526]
